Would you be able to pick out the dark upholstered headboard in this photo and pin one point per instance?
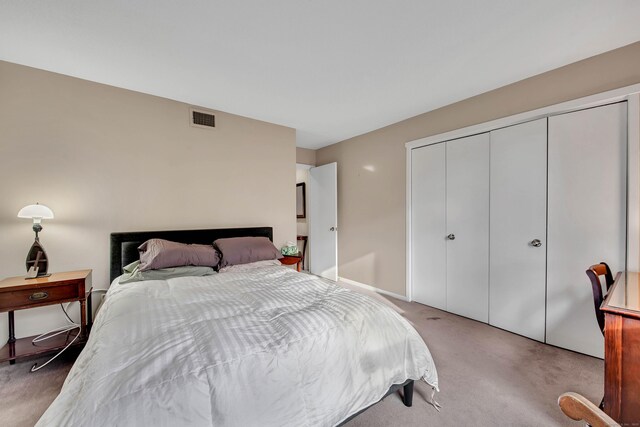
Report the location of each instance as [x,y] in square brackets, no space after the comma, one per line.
[124,246]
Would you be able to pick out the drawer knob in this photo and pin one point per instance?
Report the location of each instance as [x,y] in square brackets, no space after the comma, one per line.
[37,296]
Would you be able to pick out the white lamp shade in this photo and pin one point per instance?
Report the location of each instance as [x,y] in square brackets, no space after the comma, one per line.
[36,211]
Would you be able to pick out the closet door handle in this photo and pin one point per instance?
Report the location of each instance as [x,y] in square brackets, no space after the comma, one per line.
[451,236]
[535,243]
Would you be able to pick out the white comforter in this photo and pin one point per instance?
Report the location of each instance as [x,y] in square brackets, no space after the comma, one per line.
[268,347]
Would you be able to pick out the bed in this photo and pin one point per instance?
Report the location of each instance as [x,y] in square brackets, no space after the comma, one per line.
[262,345]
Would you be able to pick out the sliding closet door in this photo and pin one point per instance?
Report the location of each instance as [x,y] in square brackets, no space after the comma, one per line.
[587,218]
[519,228]
[468,226]
[428,226]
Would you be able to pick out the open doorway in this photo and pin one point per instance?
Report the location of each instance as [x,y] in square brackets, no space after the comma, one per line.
[302,212]
[317,218]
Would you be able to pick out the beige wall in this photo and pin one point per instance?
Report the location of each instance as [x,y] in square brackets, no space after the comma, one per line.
[371,167]
[305,156]
[107,159]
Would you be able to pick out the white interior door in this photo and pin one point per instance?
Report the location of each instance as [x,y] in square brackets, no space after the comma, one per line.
[587,218]
[518,224]
[323,221]
[467,178]
[428,226]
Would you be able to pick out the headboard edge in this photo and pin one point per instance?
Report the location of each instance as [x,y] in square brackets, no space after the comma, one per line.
[202,236]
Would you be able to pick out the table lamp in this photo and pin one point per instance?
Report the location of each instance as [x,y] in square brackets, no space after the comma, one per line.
[37,263]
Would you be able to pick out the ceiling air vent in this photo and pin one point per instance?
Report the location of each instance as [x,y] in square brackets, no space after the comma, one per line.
[202,119]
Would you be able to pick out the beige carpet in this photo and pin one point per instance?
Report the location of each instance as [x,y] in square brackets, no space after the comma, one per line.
[488,377]
[24,396]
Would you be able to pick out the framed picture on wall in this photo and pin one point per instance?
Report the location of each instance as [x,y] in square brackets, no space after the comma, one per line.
[301,201]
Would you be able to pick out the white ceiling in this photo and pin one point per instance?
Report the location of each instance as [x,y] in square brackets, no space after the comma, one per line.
[331,69]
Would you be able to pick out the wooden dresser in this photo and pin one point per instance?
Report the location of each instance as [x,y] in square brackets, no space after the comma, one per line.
[622,349]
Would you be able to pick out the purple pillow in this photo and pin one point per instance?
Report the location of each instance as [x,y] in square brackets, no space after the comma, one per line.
[159,253]
[243,250]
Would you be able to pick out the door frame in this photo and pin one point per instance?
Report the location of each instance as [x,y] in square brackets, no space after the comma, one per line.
[631,94]
[303,166]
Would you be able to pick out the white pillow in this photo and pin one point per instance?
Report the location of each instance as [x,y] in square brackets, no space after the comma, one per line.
[249,266]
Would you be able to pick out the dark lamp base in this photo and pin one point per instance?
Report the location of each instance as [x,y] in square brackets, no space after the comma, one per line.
[38,276]
[37,257]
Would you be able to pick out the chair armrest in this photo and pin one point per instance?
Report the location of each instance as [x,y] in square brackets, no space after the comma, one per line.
[578,408]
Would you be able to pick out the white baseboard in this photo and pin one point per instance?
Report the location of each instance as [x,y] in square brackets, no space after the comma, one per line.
[374,289]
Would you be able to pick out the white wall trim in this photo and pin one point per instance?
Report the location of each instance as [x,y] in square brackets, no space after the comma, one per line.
[304,166]
[374,289]
[631,94]
[564,107]
[633,183]
[408,282]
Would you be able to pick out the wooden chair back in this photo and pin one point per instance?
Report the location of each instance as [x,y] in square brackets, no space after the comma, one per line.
[304,247]
[578,408]
[594,273]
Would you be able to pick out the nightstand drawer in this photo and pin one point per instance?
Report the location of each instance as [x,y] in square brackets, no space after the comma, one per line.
[39,296]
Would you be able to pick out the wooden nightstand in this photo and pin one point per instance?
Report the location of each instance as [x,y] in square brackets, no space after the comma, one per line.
[16,293]
[292,259]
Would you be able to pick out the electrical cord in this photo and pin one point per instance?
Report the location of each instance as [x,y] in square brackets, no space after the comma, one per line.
[54,332]
[99,304]
[66,314]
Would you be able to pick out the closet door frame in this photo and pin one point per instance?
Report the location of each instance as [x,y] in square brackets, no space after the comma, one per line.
[631,94]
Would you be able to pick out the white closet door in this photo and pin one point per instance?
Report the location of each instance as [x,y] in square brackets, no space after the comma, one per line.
[468,227]
[518,228]
[587,218]
[428,226]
